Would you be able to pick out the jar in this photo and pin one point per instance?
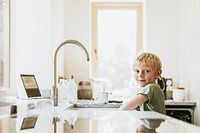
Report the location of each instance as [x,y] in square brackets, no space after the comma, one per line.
[179,94]
[85,90]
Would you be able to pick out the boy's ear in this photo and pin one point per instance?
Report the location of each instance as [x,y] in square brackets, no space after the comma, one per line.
[159,73]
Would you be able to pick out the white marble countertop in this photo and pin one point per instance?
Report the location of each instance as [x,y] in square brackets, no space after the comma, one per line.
[40,116]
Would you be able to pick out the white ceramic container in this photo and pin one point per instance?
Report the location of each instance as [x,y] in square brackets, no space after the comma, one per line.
[178,95]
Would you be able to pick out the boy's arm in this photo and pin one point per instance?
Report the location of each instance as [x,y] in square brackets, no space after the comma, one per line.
[134,102]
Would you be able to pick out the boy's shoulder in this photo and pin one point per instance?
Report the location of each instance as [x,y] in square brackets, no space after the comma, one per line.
[152,86]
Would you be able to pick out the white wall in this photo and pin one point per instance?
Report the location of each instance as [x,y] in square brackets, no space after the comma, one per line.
[36,29]
[77,26]
[189,56]
[162,34]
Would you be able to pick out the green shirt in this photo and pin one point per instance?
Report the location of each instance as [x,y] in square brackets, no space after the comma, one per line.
[155,103]
[156,99]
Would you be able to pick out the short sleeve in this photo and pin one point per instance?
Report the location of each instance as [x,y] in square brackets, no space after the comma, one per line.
[155,98]
[150,91]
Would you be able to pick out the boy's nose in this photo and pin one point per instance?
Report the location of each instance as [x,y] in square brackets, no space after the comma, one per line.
[141,74]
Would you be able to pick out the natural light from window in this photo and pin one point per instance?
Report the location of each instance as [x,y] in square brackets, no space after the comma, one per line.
[117,38]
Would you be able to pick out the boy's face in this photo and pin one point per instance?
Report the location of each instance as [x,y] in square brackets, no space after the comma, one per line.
[144,74]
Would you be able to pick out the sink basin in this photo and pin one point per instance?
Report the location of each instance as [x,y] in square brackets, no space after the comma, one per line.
[97,105]
[94,106]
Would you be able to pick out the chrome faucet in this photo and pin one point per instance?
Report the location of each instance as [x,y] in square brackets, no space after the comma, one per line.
[55,88]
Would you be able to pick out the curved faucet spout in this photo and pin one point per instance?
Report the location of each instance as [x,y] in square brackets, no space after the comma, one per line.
[55,89]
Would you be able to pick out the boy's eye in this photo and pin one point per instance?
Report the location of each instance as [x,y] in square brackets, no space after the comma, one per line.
[136,71]
[146,71]
[143,71]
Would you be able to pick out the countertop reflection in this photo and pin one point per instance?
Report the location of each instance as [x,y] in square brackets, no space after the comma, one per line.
[50,119]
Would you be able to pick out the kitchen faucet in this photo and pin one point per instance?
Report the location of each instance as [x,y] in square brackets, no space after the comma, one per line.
[55,88]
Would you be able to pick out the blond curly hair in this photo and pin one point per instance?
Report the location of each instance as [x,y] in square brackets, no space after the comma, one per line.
[150,59]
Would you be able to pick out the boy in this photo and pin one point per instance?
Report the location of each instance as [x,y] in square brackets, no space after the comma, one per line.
[147,69]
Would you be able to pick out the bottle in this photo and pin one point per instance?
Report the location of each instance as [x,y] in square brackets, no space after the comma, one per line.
[71,90]
[62,89]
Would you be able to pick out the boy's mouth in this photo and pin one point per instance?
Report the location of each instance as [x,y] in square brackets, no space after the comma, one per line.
[140,80]
[141,83]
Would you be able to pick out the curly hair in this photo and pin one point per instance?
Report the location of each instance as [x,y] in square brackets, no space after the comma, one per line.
[150,59]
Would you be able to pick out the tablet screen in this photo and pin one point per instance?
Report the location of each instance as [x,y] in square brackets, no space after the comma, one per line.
[30,85]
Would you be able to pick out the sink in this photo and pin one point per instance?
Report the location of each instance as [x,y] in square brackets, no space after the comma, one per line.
[94,106]
[97,105]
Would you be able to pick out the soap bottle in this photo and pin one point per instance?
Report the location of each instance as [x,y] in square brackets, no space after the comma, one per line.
[71,117]
[71,90]
[62,89]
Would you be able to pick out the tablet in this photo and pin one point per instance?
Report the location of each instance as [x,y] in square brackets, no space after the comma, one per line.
[30,85]
[29,122]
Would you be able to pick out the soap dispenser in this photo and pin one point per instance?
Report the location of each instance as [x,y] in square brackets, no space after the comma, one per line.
[62,89]
[72,90]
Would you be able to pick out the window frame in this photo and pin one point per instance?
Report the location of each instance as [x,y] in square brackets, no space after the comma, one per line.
[6,44]
[96,6]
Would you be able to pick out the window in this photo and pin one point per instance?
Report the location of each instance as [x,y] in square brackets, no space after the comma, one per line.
[116,39]
[4,42]
[1,43]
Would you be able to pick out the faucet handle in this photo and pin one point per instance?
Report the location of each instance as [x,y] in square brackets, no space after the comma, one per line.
[61,77]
